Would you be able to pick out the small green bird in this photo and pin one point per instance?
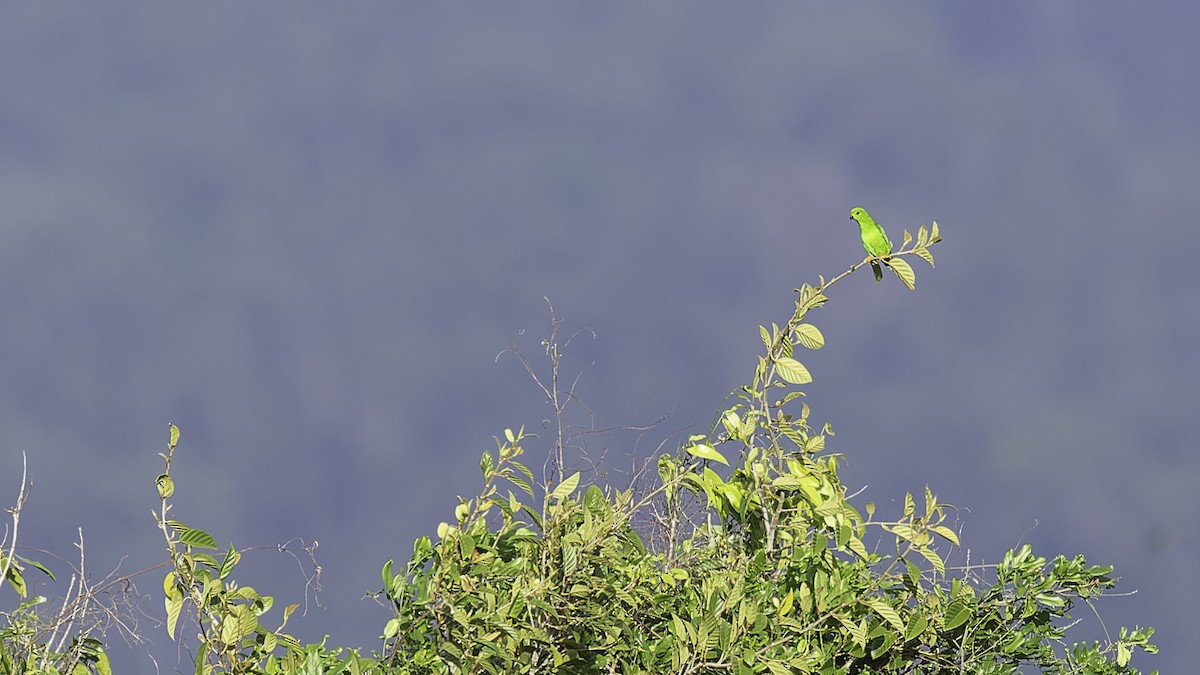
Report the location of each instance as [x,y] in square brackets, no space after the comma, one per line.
[874,239]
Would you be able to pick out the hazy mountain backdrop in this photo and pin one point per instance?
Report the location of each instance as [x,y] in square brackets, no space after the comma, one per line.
[303,232]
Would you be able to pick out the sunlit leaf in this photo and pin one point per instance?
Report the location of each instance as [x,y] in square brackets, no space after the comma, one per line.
[933,558]
[904,272]
[166,486]
[946,533]
[705,451]
[173,603]
[566,487]
[792,371]
[957,614]
[197,539]
[809,336]
[887,613]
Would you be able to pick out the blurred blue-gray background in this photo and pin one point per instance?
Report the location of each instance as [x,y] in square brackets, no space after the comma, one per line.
[303,232]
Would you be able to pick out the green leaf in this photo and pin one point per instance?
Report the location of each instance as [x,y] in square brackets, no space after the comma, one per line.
[526,472]
[957,614]
[166,486]
[946,533]
[887,613]
[197,539]
[809,336]
[925,255]
[566,487]
[17,581]
[172,435]
[856,546]
[173,603]
[708,452]
[917,623]
[933,558]
[792,371]
[904,272]
[231,559]
[777,668]
[33,563]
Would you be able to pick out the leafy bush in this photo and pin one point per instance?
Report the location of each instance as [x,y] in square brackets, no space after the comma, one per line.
[761,565]
[740,553]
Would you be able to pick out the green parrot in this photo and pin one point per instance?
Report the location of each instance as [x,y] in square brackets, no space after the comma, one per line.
[874,239]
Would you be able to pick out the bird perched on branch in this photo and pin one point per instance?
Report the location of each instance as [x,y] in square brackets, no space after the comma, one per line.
[874,239]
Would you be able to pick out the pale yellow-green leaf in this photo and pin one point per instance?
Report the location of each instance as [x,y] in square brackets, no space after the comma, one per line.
[174,603]
[792,371]
[933,558]
[785,607]
[917,624]
[287,612]
[705,451]
[907,239]
[566,487]
[778,668]
[887,613]
[857,547]
[166,486]
[925,255]
[946,533]
[922,236]
[920,537]
[904,272]
[809,336]
[858,632]
[933,233]
[172,435]
[766,337]
[16,579]
[733,424]
[956,615]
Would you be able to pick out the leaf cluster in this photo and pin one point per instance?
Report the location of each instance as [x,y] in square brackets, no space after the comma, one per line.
[742,554]
[231,637]
[760,563]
